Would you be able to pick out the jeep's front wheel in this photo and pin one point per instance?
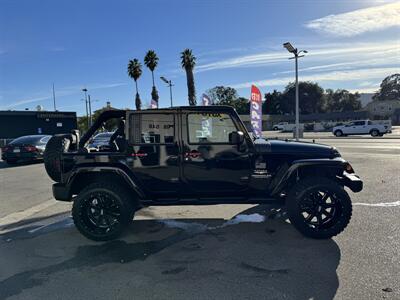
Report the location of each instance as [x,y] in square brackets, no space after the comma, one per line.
[319,208]
[102,211]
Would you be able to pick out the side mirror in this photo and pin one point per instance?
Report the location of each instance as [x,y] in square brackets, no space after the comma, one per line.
[236,138]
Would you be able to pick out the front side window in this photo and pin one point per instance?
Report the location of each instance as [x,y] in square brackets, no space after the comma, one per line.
[152,128]
[209,128]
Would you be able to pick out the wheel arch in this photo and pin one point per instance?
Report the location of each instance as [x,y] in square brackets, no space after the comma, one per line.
[300,169]
[85,176]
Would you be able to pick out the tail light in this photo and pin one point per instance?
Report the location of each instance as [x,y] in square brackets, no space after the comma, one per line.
[5,149]
[30,148]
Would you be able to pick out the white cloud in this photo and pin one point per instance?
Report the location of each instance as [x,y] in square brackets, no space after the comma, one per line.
[343,76]
[359,21]
[61,92]
[368,51]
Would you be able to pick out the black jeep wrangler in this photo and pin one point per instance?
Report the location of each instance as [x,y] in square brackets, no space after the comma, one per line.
[195,155]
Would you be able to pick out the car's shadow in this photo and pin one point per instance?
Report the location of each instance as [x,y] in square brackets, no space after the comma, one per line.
[180,259]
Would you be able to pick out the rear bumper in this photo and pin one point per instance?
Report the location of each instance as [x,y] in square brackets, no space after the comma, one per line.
[61,192]
[353,182]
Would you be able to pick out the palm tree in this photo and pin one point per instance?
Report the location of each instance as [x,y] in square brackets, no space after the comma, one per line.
[134,71]
[188,61]
[151,61]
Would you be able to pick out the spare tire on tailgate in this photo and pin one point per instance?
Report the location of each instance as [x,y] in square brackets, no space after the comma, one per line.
[56,146]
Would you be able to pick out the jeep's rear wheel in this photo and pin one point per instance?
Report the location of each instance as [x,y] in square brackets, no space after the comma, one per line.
[102,211]
[319,208]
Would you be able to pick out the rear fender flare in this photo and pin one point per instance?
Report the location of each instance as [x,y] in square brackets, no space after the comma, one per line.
[337,163]
[108,170]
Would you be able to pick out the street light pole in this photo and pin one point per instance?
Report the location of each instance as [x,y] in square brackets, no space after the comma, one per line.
[297,98]
[296,56]
[54,98]
[87,112]
[90,111]
[170,91]
[170,85]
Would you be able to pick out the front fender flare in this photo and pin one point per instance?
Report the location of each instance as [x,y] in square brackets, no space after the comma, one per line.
[297,164]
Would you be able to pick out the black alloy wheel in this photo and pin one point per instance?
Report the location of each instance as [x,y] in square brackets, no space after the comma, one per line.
[319,207]
[102,211]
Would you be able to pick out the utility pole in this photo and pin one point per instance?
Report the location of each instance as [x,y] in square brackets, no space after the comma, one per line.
[296,56]
[54,98]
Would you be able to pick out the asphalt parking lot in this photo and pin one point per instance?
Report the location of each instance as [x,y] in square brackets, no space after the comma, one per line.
[204,252]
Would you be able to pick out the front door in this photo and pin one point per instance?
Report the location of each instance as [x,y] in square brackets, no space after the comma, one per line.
[211,166]
[155,152]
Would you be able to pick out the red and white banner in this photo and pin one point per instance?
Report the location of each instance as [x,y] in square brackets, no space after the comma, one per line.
[255,110]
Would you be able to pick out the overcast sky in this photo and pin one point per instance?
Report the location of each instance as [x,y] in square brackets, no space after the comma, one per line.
[75,44]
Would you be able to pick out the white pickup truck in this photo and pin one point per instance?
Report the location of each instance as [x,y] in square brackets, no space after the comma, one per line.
[361,127]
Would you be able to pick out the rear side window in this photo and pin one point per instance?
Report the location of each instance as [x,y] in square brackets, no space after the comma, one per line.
[154,128]
[359,123]
[206,128]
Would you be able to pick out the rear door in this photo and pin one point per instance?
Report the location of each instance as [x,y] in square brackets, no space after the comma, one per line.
[211,166]
[154,152]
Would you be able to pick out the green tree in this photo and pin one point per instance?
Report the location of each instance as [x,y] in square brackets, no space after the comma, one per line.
[342,100]
[188,61]
[272,103]
[311,98]
[135,71]
[151,62]
[221,95]
[389,88]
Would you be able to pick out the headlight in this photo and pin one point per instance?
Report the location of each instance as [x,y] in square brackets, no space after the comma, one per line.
[348,168]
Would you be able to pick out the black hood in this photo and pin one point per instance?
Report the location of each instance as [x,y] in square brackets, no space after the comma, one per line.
[300,149]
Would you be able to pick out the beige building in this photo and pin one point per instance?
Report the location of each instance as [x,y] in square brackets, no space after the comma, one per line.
[383,109]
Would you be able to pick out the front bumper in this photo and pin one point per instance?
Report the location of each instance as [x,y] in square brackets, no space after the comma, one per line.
[352,181]
[61,192]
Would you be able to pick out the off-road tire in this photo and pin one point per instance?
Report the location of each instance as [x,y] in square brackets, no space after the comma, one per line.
[307,186]
[374,132]
[338,133]
[56,146]
[118,194]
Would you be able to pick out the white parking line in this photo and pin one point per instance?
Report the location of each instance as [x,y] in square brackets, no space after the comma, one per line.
[387,204]
[19,216]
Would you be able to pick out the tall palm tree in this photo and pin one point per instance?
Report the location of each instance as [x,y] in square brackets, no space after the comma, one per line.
[188,61]
[151,61]
[135,71]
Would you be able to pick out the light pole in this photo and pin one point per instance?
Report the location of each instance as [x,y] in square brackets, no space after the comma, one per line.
[296,54]
[87,112]
[169,82]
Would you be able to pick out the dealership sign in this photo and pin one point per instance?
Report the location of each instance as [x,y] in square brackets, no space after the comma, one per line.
[255,110]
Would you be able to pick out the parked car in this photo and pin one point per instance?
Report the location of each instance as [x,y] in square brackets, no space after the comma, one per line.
[279,126]
[196,155]
[361,127]
[25,148]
